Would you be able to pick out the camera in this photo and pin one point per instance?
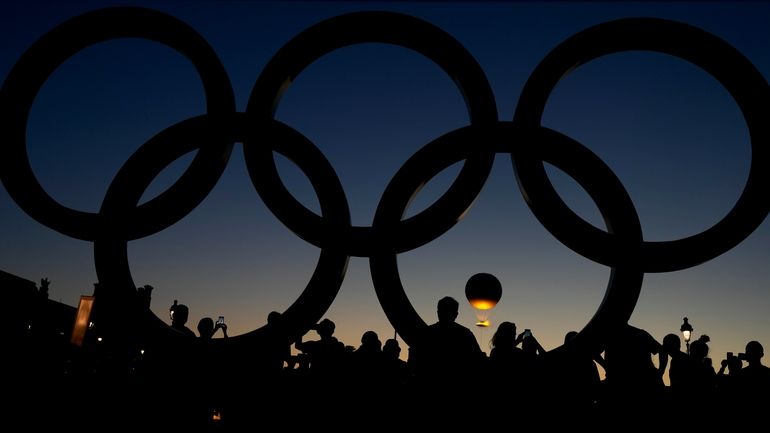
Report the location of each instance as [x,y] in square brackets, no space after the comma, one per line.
[221,321]
[527,333]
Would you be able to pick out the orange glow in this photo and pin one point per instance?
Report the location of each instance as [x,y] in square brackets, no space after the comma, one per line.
[81,320]
[483,304]
[483,291]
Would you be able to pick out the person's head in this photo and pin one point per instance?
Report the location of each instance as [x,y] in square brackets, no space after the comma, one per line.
[181,312]
[569,336]
[672,344]
[273,318]
[699,349]
[447,309]
[370,339]
[205,327]
[324,328]
[754,351]
[505,334]
[391,349]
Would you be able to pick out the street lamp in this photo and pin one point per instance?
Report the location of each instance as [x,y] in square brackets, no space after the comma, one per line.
[686,329]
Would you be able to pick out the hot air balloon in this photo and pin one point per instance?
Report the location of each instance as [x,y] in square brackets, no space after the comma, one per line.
[483,292]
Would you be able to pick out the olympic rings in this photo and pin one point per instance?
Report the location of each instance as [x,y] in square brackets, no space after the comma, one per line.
[54,48]
[124,193]
[741,79]
[620,247]
[575,159]
[355,28]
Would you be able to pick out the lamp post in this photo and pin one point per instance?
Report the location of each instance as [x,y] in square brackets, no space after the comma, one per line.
[686,329]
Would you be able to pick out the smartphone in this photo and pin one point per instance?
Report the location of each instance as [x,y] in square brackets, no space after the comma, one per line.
[221,320]
[527,333]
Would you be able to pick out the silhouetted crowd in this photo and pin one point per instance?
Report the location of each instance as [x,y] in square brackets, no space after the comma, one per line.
[192,384]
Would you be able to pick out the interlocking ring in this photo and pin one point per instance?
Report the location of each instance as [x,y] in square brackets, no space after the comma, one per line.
[54,48]
[546,145]
[620,247]
[715,56]
[110,250]
[350,29]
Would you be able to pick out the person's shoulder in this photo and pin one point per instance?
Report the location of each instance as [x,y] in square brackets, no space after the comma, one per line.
[184,330]
[463,328]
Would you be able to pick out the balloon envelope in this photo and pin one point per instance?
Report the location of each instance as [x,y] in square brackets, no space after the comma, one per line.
[483,291]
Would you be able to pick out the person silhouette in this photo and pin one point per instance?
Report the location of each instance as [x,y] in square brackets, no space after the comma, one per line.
[727,382]
[210,369]
[632,378]
[324,356]
[260,366]
[365,365]
[447,354]
[367,358]
[504,342]
[179,320]
[504,367]
[753,380]
[576,378]
[276,351]
[207,328]
[188,357]
[703,385]
[680,370]
[145,295]
[395,370]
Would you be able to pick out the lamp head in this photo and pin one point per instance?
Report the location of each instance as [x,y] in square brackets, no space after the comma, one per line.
[686,329]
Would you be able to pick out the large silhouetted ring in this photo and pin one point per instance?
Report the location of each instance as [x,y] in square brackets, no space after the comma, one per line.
[361,27]
[54,48]
[546,145]
[621,246]
[739,77]
[110,249]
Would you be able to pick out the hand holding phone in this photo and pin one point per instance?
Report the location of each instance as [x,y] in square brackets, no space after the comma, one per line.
[221,321]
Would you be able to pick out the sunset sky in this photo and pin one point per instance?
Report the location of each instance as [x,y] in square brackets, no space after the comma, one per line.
[669,131]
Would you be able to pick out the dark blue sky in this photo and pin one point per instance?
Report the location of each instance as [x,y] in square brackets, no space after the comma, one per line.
[668,130]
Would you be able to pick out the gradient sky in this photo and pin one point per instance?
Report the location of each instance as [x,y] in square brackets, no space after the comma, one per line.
[670,132]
